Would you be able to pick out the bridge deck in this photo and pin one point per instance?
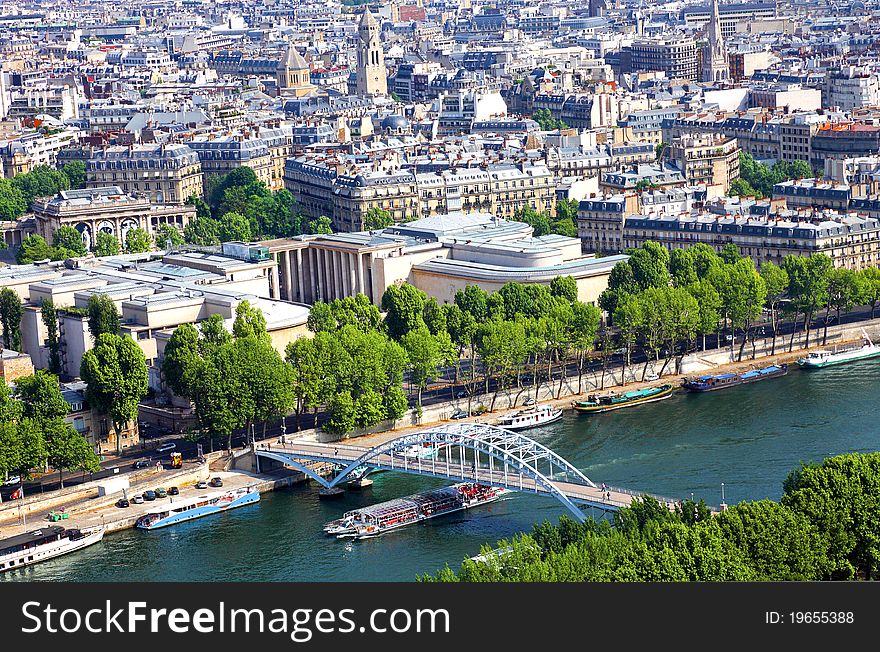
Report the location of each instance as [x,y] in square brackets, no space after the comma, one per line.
[456,470]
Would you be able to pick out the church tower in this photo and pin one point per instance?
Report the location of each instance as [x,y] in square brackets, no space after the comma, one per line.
[715,64]
[292,74]
[371,74]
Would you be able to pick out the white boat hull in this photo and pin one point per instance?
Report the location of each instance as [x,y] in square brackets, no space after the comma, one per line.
[536,424]
[48,551]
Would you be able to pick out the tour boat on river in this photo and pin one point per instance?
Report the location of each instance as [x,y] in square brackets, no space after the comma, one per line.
[595,404]
[187,510]
[819,359]
[377,519]
[537,415]
[711,383]
[45,543]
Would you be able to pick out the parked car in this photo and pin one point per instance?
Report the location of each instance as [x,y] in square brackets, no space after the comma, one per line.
[138,500]
[173,491]
[122,502]
[141,464]
[216,482]
[149,494]
[459,414]
[161,493]
[529,401]
[12,479]
[201,484]
[652,377]
[164,448]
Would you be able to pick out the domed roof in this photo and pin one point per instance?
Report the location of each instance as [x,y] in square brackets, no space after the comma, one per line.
[394,122]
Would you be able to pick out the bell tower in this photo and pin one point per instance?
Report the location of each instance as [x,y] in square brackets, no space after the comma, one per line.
[371,73]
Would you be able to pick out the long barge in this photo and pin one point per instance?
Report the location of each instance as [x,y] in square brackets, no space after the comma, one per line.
[45,543]
[721,381]
[374,520]
[597,404]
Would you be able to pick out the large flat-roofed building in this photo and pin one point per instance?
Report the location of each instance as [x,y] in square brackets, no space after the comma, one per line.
[676,58]
[837,141]
[439,255]
[154,294]
[166,174]
[105,210]
[732,15]
[850,240]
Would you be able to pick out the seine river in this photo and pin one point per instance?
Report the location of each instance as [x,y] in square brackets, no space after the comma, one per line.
[747,437]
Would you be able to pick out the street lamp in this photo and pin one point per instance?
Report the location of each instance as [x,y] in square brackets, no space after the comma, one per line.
[722,493]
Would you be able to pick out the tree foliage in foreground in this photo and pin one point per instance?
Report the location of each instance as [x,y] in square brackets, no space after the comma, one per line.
[825,527]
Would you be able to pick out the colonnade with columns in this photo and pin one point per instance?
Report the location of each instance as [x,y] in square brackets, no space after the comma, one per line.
[310,274]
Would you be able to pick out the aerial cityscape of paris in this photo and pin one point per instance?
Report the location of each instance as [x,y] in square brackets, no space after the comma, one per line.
[435,291]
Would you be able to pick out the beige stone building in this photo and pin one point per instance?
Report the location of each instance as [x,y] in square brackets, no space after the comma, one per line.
[706,159]
[166,174]
[439,255]
[14,365]
[105,210]
[346,194]
[221,155]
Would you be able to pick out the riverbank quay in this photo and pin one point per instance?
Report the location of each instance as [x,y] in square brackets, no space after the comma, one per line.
[92,510]
[562,392]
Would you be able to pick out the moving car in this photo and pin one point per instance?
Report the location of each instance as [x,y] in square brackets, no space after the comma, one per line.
[164,448]
[216,482]
[149,494]
[141,464]
[122,502]
[12,479]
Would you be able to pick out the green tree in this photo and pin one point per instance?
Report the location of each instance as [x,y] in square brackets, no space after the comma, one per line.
[203,231]
[168,235]
[67,237]
[115,371]
[546,121]
[650,265]
[779,544]
[341,414]
[541,223]
[103,316]
[621,282]
[26,447]
[564,287]
[846,288]
[309,373]
[403,305]
[203,211]
[137,241]
[741,188]
[68,450]
[682,268]
[434,317]
[50,321]
[425,353]
[709,302]
[249,322]
[321,226]
[235,226]
[321,319]
[808,280]
[106,244]
[11,312]
[13,203]
[583,329]
[729,253]
[181,354]
[841,497]
[33,247]
[776,280]
[41,397]
[42,181]
[75,171]
[376,218]
[871,286]
[473,300]
[241,176]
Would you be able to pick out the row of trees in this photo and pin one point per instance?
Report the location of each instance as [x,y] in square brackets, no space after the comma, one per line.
[823,528]
[663,301]
[68,243]
[233,379]
[16,194]
[33,433]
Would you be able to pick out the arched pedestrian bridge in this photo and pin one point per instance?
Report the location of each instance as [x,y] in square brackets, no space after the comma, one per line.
[467,452]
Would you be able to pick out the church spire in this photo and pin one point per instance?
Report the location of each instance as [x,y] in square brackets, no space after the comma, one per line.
[715,64]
